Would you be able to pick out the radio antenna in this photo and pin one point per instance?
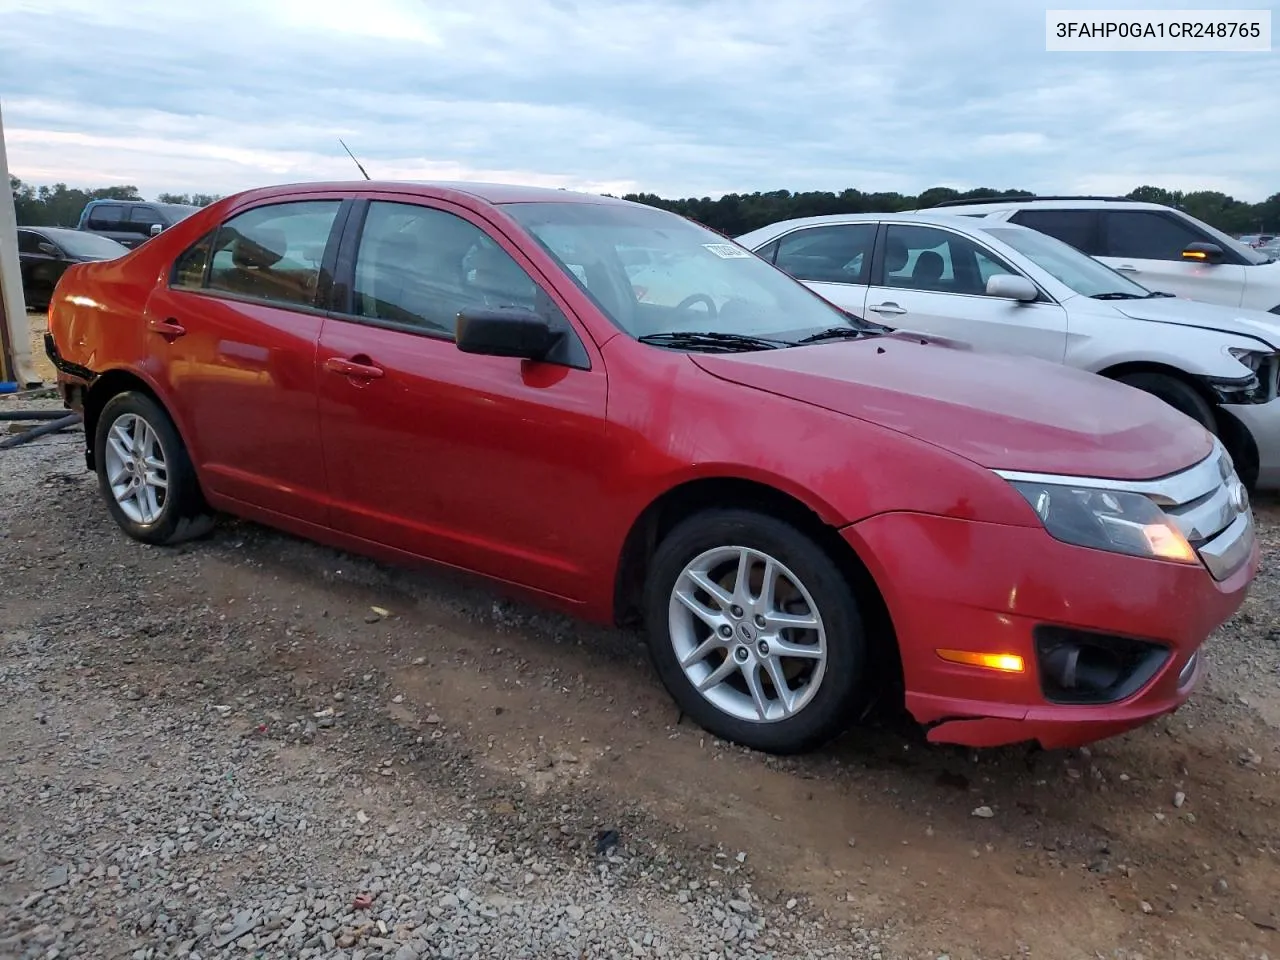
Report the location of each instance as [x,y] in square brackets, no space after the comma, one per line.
[353,158]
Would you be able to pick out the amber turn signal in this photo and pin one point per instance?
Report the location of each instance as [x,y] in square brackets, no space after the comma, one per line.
[1004,662]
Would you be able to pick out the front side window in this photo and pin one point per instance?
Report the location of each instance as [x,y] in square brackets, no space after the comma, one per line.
[835,254]
[274,252]
[418,267]
[1146,235]
[694,279]
[106,216]
[28,242]
[930,258]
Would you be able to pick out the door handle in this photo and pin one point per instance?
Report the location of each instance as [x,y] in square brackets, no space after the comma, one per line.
[355,369]
[169,328]
[888,308]
[1127,268]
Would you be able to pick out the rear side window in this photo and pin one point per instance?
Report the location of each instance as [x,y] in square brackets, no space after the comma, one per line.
[1076,227]
[190,267]
[835,254]
[769,252]
[270,253]
[107,216]
[1147,235]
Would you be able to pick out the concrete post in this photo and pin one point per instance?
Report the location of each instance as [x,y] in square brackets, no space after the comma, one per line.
[15,337]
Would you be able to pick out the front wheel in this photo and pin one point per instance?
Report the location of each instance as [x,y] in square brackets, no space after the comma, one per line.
[145,473]
[1176,393]
[755,631]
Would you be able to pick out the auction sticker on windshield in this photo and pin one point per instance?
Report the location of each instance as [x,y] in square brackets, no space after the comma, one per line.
[727,251]
[1158,31]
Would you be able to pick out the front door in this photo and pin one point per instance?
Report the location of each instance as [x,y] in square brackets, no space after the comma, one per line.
[934,281]
[475,461]
[232,340]
[1146,246]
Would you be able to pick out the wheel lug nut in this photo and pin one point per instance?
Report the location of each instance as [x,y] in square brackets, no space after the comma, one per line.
[726,630]
[760,621]
[763,648]
[736,610]
[741,654]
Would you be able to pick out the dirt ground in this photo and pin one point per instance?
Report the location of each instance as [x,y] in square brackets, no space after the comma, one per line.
[1163,843]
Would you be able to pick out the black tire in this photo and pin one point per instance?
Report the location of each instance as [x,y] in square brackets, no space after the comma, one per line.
[843,689]
[183,515]
[1176,393]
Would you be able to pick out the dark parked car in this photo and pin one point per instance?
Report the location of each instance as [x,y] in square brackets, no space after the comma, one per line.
[131,222]
[46,252]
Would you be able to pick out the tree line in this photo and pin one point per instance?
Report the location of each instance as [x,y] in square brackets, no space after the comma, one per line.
[732,214]
[60,205]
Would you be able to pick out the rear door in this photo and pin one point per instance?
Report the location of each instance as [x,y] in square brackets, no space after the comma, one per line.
[834,260]
[933,280]
[479,462]
[232,341]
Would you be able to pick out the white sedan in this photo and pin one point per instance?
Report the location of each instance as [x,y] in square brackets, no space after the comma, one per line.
[1002,287]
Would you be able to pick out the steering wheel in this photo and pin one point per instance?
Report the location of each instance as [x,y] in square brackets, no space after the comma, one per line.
[693,298]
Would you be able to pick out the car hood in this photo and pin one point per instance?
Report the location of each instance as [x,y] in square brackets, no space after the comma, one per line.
[1209,316]
[999,411]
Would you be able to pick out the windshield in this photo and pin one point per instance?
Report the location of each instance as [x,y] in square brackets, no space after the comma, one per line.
[85,244]
[1065,263]
[653,272]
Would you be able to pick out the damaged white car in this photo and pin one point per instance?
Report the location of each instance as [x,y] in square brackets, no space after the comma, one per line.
[1010,289]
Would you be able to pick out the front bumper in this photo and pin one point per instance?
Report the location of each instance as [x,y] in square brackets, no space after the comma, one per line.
[1262,421]
[983,587]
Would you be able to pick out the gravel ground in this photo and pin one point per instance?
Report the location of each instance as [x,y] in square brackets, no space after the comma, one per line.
[253,746]
[159,799]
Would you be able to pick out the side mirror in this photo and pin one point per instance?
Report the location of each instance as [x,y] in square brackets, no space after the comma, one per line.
[156,229]
[1203,253]
[48,248]
[505,333]
[1008,287]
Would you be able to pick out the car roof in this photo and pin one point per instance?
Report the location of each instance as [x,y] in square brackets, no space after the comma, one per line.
[832,219]
[53,233]
[495,193]
[1052,203]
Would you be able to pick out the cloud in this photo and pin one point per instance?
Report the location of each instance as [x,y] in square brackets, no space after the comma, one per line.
[676,97]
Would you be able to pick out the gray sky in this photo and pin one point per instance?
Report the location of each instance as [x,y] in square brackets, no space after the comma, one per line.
[675,97]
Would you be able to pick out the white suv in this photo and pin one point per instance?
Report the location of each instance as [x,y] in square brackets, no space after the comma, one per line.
[1160,247]
[1011,289]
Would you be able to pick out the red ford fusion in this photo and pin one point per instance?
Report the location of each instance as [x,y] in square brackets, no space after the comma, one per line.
[617,412]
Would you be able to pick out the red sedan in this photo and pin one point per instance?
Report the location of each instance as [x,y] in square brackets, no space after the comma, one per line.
[805,510]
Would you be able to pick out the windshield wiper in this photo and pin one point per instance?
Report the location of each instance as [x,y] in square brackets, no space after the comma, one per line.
[1118,296]
[712,340]
[1159,293]
[839,333]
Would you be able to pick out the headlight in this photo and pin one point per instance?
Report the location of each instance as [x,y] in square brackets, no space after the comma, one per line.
[1107,520]
[1253,359]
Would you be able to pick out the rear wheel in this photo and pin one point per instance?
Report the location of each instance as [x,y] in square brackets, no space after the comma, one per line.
[755,631]
[145,473]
